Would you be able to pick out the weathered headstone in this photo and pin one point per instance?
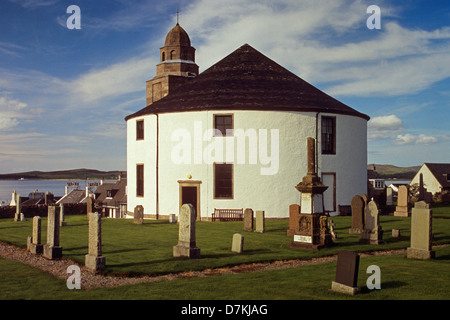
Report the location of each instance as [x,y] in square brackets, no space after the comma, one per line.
[346,280]
[331,226]
[52,250]
[248,219]
[372,232]
[260,221]
[94,260]
[172,218]
[62,222]
[18,215]
[401,210]
[238,243]
[294,213]
[421,228]
[389,200]
[186,246]
[358,213]
[139,214]
[35,246]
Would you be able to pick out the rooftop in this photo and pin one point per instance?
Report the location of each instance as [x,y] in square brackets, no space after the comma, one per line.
[247,80]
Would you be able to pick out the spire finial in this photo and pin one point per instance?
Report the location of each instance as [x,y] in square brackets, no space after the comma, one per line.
[178,15]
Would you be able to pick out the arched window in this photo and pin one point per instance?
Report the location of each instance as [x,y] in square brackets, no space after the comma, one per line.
[172,54]
[163,56]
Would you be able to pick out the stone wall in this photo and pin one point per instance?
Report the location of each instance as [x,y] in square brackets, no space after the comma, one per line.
[7,212]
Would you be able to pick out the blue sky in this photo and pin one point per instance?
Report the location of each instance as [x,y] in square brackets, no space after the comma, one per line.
[64,93]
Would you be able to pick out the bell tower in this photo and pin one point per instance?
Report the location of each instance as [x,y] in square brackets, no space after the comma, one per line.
[177,65]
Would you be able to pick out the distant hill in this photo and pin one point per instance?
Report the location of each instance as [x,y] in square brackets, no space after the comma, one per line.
[388,171]
[75,174]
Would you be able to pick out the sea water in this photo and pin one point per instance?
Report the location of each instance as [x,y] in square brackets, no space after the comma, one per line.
[25,187]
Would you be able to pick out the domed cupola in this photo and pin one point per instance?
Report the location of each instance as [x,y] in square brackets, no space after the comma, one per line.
[177,65]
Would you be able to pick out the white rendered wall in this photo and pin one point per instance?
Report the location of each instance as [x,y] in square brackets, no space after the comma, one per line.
[272,193]
[429,180]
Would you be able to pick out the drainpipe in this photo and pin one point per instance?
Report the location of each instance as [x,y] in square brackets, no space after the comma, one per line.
[157,167]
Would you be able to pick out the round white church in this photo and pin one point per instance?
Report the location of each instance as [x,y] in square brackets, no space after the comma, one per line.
[235,137]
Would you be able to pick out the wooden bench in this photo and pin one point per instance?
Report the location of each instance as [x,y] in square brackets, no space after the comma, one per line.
[345,210]
[228,215]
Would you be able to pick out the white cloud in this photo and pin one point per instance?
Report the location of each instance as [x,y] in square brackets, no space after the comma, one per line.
[384,127]
[415,139]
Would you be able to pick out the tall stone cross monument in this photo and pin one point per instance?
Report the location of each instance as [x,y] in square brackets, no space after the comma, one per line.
[312,229]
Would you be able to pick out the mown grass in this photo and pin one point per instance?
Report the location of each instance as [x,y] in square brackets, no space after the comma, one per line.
[147,249]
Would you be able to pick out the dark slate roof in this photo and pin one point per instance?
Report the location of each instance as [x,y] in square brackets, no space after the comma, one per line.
[247,80]
[440,172]
[118,193]
[74,196]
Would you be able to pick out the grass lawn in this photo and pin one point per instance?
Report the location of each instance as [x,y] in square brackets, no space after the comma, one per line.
[147,249]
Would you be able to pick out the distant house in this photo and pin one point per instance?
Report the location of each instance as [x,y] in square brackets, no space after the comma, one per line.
[37,198]
[73,193]
[112,199]
[436,177]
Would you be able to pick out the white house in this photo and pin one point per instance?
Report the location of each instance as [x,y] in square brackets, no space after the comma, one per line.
[235,137]
[436,177]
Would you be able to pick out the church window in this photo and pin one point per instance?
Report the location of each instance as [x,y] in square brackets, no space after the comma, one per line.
[223,181]
[140,180]
[163,56]
[224,123]
[172,55]
[328,135]
[140,130]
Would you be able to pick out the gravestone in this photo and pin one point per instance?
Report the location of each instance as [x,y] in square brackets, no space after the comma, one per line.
[358,213]
[238,243]
[62,223]
[401,210]
[35,246]
[346,280]
[172,218]
[186,246]
[372,232]
[139,214]
[52,250]
[294,214]
[389,200]
[395,233]
[331,226]
[94,260]
[18,215]
[421,228]
[260,222]
[248,219]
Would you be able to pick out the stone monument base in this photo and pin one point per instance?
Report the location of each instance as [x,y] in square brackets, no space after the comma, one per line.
[36,248]
[52,253]
[342,288]
[414,253]
[94,263]
[355,231]
[370,237]
[184,251]
[401,212]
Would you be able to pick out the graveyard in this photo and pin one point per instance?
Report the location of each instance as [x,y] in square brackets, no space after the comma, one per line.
[267,268]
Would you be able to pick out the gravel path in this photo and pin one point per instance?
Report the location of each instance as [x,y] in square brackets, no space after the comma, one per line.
[58,268]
